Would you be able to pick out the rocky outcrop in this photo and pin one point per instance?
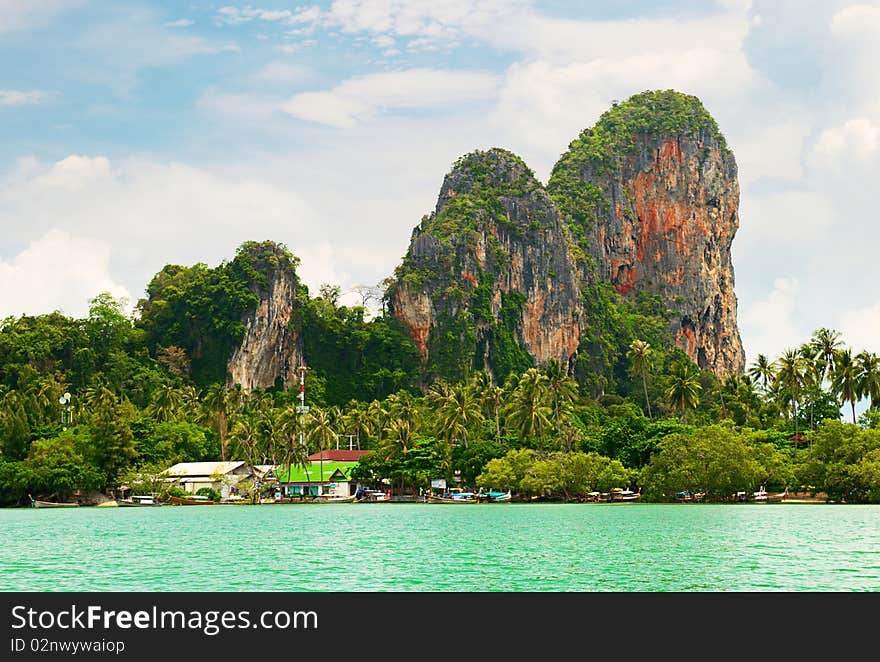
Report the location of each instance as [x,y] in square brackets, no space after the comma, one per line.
[272,347]
[652,195]
[489,281]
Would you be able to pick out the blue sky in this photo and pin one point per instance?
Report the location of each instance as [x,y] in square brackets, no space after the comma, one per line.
[135,134]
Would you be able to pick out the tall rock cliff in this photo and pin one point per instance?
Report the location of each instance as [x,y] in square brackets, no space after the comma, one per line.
[272,346]
[489,281]
[652,199]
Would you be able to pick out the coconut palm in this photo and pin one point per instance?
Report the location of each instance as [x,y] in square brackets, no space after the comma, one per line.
[562,389]
[459,413]
[825,344]
[845,379]
[790,376]
[868,370]
[319,425]
[641,359]
[684,387]
[218,406]
[761,371]
[527,410]
[165,403]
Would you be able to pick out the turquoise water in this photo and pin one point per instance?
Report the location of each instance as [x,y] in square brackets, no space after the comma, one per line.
[426,547]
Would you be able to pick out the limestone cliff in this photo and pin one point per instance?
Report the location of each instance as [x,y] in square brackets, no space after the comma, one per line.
[272,347]
[489,281]
[652,197]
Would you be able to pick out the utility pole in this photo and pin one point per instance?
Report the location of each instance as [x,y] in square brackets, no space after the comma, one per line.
[302,410]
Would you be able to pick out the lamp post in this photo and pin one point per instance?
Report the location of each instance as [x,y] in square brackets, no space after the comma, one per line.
[66,418]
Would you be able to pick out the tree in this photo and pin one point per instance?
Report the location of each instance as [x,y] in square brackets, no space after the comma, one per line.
[641,360]
[825,344]
[868,377]
[562,389]
[684,387]
[459,413]
[762,371]
[790,375]
[526,410]
[845,379]
[218,405]
[112,446]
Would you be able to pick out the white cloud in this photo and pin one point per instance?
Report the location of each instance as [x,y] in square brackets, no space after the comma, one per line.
[24,14]
[153,213]
[289,73]
[180,23]
[360,99]
[237,15]
[20,98]
[768,326]
[58,271]
[860,328]
[856,138]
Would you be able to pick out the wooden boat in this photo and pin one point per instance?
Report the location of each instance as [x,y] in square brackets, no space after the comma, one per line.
[458,497]
[52,504]
[494,497]
[191,501]
[139,501]
[375,496]
[624,495]
[336,499]
[762,496]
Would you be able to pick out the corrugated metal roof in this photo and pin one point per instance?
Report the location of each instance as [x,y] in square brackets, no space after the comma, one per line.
[298,474]
[182,469]
[338,455]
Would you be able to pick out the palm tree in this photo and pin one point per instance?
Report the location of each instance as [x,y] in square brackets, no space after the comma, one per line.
[562,388]
[218,406]
[868,368]
[165,403]
[526,410]
[459,412]
[641,358]
[790,375]
[845,379]
[684,388]
[761,371]
[320,430]
[825,344]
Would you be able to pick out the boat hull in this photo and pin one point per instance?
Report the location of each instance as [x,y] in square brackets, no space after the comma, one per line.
[177,501]
[53,504]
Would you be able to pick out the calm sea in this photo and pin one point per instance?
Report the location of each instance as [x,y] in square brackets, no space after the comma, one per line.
[427,547]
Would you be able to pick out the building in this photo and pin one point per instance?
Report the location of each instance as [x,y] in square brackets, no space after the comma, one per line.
[219,476]
[317,478]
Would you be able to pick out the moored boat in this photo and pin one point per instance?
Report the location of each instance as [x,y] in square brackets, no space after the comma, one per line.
[336,499]
[455,497]
[52,504]
[624,495]
[194,500]
[36,503]
[139,500]
[374,496]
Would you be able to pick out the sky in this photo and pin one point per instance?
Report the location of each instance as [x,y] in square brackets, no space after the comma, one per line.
[136,134]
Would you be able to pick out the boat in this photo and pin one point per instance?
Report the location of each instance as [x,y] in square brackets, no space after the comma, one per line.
[618,494]
[494,497]
[139,500]
[52,504]
[454,497]
[194,500]
[374,496]
[762,496]
[336,499]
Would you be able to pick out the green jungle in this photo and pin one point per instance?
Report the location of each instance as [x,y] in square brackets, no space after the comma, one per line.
[149,389]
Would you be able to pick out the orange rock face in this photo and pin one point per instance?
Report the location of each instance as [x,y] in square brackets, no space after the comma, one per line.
[669,230]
